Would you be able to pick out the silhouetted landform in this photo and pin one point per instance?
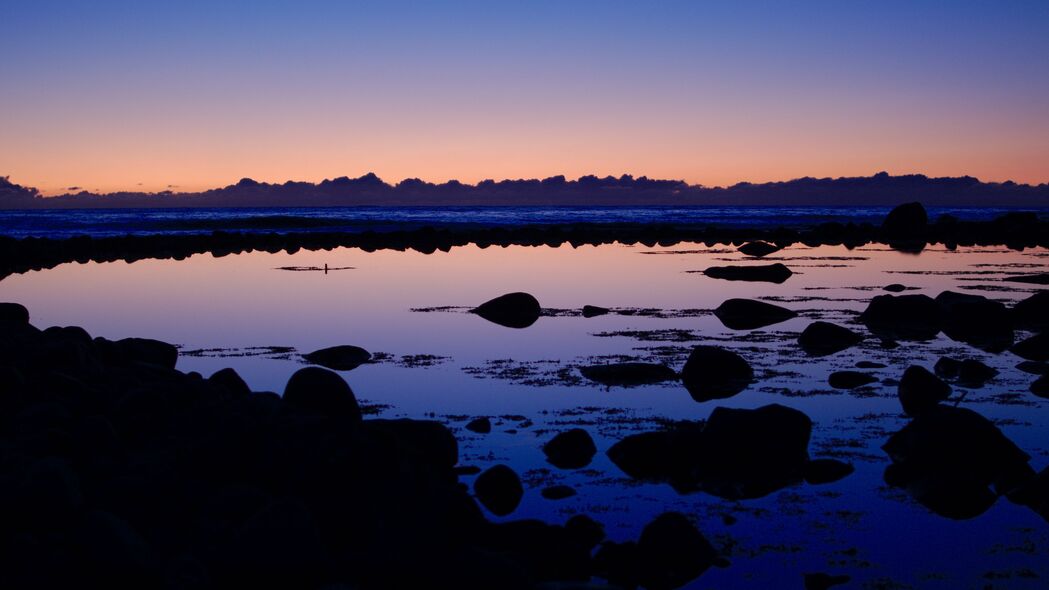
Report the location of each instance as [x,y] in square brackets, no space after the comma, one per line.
[881,189]
[120,471]
[1015,230]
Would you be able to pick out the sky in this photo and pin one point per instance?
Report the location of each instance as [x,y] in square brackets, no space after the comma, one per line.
[111,95]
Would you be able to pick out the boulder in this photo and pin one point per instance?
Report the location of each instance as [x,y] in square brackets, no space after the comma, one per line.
[339,358]
[321,391]
[850,379]
[715,373]
[513,310]
[895,288]
[747,314]
[823,338]
[570,449]
[821,471]
[822,581]
[758,249]
[230,381]
[1040,387]
[480,425]
[1032,313]
[672,552]
[428,442]
[628,374]
[948,458]
[919,391]
[1033,367]
[13,313]
[557,492]
[905,221]
[769,273]
[1035,348]
[903,317]
[975,320]
[499,489]
[146,350]
[592,311]
[968,372]
[870,365]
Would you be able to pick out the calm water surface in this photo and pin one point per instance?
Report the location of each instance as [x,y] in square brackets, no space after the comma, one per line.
[450,365]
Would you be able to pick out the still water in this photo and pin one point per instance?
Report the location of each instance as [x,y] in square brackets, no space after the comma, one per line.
[434,360]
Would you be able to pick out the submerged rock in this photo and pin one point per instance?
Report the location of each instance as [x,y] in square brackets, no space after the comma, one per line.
[629,374]
[747,314]
[592,311]
[903,317]
[499,489]
[949,458]
[1035,348]
[769,273]
[850,379]
[571,449]
[919,390]
[823,338]
[339,358]
[715,373]
[318,390]
[513,310]
[975,320]
[758,249]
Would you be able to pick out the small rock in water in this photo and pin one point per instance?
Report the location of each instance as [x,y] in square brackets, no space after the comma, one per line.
[822,581]
[757,249]
[592,311]
[1034,367]
[895,288]
[558,492]
[903,317]
[479,425]
[747,314]
[570,449]
[499,489]
[513,310]
[919,391]
[823,338]
[340,358]
[870,365]
[850,379]
[715,373]
[770,273]
[628,374]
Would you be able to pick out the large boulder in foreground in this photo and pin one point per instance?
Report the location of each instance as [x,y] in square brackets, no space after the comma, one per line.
[768,273]
[513,310]
[499,489]
[14,313]
[747,314]
[903,317]
[670,553]
[949,459]
[715,373]
[345,357]
[1032,313]
[571,449]
[823,338]
[920,391]
[975,320]
[628,374]
[1035,348]
[321,391]
[149,351]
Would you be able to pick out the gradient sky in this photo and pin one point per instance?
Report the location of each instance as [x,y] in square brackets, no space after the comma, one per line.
[139,95]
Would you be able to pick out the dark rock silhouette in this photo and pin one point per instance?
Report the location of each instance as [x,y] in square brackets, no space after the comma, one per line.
[149,351]
[1034,494]
[13,313]
[759,249]
[715,373]
[902,317]
[895,288]
[822,581]
[628,374]
[949,458]
[1033,367]
[967,372]
[513,310]
[1035,348]
[905,221]
[736,454]
[339,358]
[821,471]
[769,273]
[869,365]
[557,492]
[747,314]
[1032,313]
[480,425]
[1034,279]
[322,391]
[823,338]
[1040,386]
[920,391]
[499,489]
[571,449]
[231,382]
[670,553]
[975,320]
[850,379]
[592,311]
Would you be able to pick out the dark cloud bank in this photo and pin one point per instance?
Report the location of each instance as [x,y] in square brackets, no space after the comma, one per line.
[881,189]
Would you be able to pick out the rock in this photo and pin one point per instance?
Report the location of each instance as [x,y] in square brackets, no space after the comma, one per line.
[628,374]
[1035,348]
[747,314]
[975,320]
[672,552]
[1033,279]
[592,311]
[146,350]
[570,449]
[1034,494]
[895,288]
[662,455]
[769,273]
[557,492]
[499,489]
[513,310]
[51,494]
[920,390]
[823,338]
[321,391]
[973,373]
[229,380]
[850,379]
[480,425]
[715,373]
[278,547]
[870,365]
[587,531]
[821,471]
[948,457]
[903,317]
[758,249]
[13,313]
[1032,313]
[947,368]
[904,221]
[1040,387]
[822,581]
[428,441]
[340,358]
[113,553]
[1034,367]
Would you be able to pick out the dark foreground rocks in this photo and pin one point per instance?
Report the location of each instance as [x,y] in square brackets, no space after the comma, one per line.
[769,273]
[920,391]
[513,310]
[670,553]
[340,358]
[715,373]
[116,470]
[903,317]
[747,314]
[736,454]
[571,449]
